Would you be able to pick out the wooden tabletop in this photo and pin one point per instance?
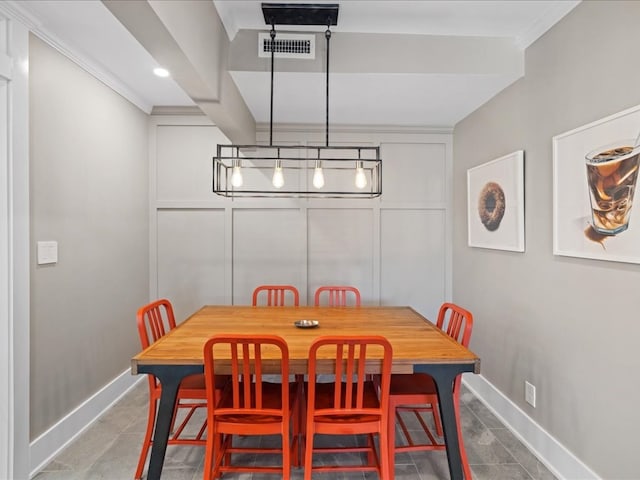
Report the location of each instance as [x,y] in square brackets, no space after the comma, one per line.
[414,339]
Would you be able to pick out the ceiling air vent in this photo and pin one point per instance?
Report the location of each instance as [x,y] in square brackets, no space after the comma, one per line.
[288,45]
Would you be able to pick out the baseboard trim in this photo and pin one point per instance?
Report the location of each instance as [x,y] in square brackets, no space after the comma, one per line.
[44,448]
[555,456]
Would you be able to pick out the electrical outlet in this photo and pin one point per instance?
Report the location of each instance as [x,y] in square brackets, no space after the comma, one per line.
[530,393]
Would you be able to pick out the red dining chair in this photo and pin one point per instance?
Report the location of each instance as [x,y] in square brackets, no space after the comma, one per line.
[154,321]
[416,393]
[337,295]
[349,405]
[249,405]
[276,295]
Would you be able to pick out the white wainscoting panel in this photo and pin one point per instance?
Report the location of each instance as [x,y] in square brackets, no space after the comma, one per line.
[413,259]
[191,258]
[340,250]
[268,248]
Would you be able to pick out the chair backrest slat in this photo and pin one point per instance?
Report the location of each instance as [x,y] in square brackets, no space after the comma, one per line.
[350,372]
[456,322]
[246,357]
[336,295]
[154,321]
[276,295]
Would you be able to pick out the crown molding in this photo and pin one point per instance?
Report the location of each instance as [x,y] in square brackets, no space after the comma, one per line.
[14,10]
[177,110]
[552,16]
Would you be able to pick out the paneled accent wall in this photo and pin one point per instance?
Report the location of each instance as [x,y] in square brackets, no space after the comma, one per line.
[268,248]
[209,249]
[413,250]
[340,249]
[190,264]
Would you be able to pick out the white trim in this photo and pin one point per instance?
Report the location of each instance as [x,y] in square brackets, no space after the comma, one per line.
[6,314]
[14,255]
[13,9]
[44,448]
[555,456]
[6,66]
[177,110]
[448,218]
[227,19]
[552,16]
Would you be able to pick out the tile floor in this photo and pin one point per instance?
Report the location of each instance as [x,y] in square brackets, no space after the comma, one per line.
[109,450]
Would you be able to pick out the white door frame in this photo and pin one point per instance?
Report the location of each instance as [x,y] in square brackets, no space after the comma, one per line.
[14,249]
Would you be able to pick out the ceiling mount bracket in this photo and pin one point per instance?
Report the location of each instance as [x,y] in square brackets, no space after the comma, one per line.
[300,14]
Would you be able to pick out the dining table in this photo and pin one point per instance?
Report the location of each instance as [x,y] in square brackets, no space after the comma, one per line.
[418,346]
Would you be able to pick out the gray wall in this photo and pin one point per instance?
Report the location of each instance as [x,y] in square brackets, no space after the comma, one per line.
[89,192]
[567,325]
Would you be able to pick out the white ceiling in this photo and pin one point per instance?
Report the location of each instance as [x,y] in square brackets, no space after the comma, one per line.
[519,19]
[88,33]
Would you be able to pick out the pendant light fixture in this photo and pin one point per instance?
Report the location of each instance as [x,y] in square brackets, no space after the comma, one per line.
[298,170]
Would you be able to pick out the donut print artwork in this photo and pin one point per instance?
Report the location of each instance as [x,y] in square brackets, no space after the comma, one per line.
[491,205]
[495,203]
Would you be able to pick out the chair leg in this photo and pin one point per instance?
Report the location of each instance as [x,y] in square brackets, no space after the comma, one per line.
[391,441]
[220,455]
[227,456]
[371,454]
[296,432]
[208,457]
[176,407]
[286,452]
[385,458]
[466,469]
[435,410]
[308,453]
[147,438]
[302,422]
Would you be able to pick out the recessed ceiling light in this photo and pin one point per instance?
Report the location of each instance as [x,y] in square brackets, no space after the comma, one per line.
[161,72]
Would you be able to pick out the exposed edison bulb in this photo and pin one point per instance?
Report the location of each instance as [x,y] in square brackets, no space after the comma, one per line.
[361,177]
[318,176]
[278,176]
[236,175]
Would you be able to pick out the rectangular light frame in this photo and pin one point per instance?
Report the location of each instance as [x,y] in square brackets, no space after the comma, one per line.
[298,163]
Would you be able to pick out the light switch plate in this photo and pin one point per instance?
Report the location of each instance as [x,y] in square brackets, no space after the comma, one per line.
[530,394]
[47,252]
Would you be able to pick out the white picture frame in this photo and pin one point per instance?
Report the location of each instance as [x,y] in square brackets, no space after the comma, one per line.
[495,204]
[574,234]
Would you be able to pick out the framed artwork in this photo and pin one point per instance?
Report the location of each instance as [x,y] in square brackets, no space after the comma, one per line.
[495,203]
[595,171]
